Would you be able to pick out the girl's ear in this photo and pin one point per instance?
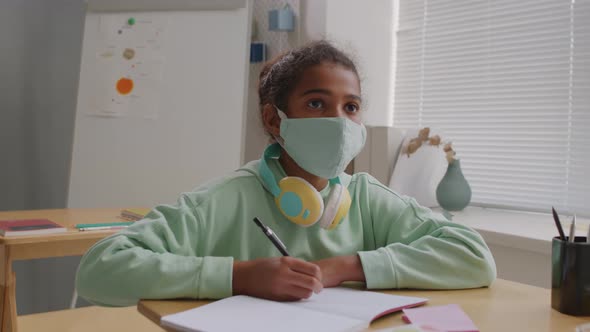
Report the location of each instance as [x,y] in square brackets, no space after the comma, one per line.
[271,120]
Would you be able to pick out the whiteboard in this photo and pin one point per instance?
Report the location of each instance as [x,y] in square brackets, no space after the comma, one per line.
[185,124]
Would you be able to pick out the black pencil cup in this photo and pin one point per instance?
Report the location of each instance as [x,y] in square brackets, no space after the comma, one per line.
[570,277]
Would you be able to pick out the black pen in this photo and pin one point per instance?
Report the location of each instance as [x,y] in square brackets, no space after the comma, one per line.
[272,236]
[558,224]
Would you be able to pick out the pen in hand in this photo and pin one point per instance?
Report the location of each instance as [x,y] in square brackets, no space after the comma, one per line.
[272,236]
[558,224]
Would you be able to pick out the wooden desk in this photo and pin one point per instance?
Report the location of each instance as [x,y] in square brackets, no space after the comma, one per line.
[87,319]
[70,243]
[505,306]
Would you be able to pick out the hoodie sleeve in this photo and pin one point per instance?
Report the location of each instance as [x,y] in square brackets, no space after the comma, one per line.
[156,258]
[413,247]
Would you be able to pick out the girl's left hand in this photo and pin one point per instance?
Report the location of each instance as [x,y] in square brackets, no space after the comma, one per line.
[336,270]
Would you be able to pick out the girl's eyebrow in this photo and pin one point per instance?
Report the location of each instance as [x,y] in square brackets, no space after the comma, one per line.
[321,91]
[351,96]
[329,93]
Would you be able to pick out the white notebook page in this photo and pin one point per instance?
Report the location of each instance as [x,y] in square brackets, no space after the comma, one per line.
[362,305]
[333,309]
[243,313]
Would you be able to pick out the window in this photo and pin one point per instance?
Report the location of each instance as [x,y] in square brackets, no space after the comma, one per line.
[508,82]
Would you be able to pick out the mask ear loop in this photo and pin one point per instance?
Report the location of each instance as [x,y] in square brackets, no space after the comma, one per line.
[283,116]
[280,113]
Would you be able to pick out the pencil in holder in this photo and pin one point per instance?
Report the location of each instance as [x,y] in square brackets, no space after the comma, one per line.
[570,277]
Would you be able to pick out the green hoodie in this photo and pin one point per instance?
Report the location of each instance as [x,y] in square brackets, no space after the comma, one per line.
[187,249]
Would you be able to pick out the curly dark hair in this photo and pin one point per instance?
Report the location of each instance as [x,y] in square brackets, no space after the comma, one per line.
[280,75]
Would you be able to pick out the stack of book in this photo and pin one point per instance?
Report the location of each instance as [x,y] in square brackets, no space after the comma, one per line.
[24,227]
[134,214]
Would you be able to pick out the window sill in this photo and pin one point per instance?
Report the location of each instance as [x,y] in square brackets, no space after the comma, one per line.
[514,229]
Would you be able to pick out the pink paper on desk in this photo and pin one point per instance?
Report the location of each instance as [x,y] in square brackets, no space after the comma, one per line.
[448,318]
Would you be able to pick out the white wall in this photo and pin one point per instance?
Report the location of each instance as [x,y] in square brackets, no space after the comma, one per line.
[523,266]
[366,28]
[380,153]
[311,16]
[313,19]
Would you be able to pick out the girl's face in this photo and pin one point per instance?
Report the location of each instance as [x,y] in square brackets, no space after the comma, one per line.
[326,90]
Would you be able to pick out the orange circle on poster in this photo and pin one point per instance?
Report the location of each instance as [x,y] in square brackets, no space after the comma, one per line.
[124,85]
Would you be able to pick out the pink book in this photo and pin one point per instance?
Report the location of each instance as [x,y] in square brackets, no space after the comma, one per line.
[443,318]
[29,227]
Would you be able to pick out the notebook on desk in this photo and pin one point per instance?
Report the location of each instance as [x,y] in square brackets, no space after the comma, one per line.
[334,309]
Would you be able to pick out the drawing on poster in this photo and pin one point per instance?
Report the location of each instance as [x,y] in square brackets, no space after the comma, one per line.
[129,64]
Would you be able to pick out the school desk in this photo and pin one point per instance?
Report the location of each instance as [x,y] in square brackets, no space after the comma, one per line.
[505,306]
[87,319]
[70,243]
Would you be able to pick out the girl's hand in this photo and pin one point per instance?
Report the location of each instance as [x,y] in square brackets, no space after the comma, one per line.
[277,278]
[337,270]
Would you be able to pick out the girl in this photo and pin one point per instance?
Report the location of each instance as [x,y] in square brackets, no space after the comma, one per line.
[336,227]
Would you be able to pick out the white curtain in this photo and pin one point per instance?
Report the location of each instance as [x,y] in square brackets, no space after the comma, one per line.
[508,82]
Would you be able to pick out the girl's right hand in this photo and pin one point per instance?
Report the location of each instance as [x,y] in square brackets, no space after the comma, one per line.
[277,278]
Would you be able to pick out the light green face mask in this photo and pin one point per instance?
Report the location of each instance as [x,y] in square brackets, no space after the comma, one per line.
[322,146]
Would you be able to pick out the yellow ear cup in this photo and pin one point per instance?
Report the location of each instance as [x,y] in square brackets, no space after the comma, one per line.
[343,208]
[299,201]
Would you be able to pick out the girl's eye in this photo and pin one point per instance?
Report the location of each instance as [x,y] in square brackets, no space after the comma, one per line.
[315,104]
[352,108]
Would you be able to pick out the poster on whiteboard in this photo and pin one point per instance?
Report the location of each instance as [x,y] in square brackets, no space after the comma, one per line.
[129,66]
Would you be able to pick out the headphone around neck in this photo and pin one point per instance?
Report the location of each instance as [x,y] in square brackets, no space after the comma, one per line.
[299,201]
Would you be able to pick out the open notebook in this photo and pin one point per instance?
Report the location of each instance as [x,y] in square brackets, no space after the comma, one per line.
[333,309]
